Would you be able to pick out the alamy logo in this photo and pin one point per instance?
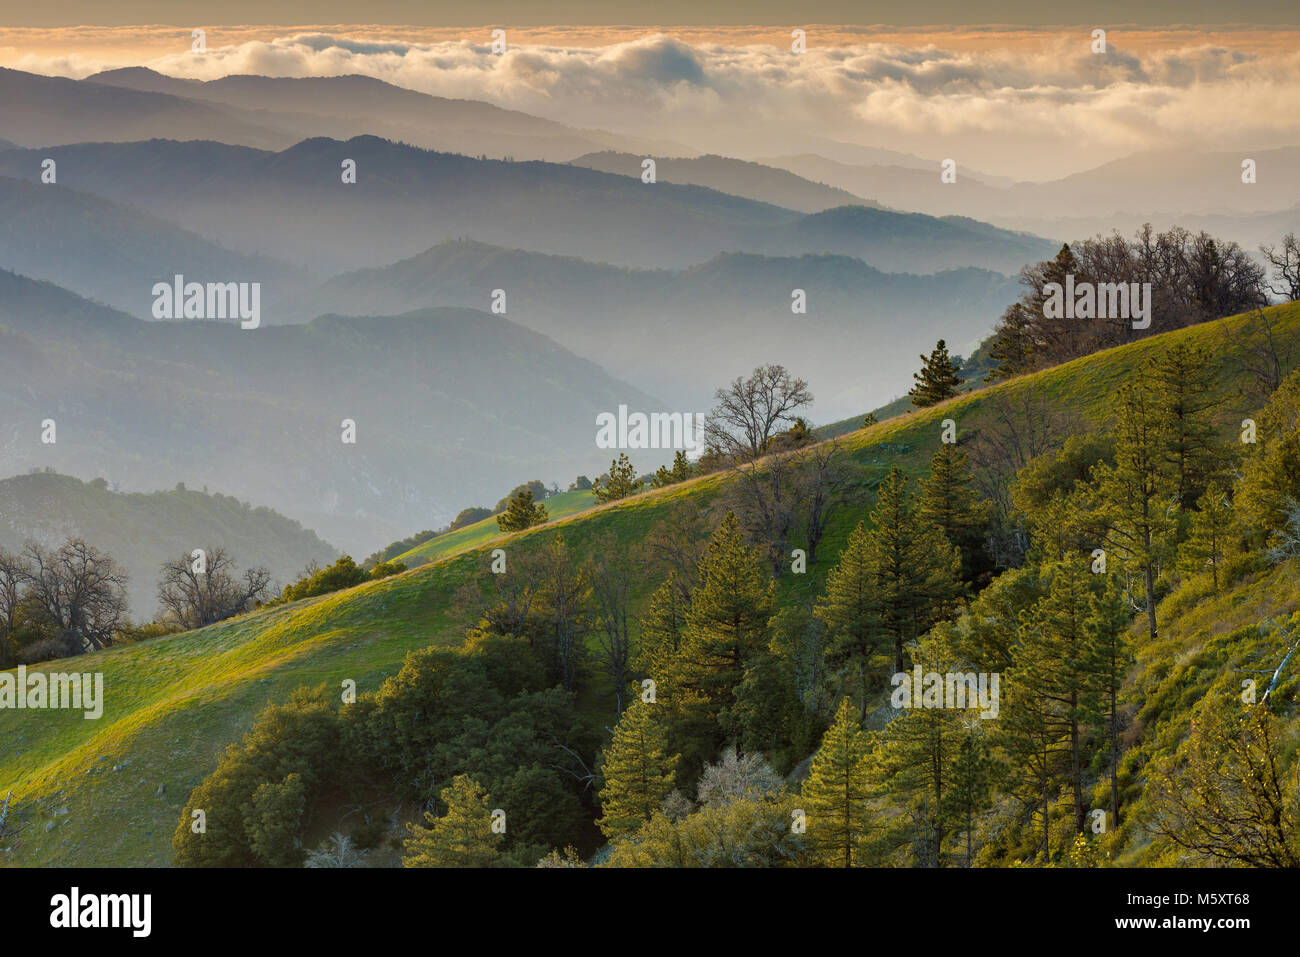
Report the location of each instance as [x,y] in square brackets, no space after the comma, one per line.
[214,300]
[657,430]
[1106,300]
[929,689]
[37,690]
[133,911]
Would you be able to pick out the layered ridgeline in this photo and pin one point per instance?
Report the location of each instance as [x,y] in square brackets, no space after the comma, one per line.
[295,205]
[274,113]
[448,406]
[681,334]
[112,791]
[142,530]
[116,254]
[766,184]
[1197,189]
[345,106]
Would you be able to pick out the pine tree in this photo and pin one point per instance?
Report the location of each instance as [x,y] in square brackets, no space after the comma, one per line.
[919,757]
[460,838]
[1059,629]
[680,472]
[521,513]
[1138,502]
[726,628]
[836,792]
[620,483]
[938,378]
[949,502]
[1182,383]
[972,783]
[922,749]
[638,770]
[1030,734]
[913,567]
[1106,664]
[661,629]
[1270,482]
[1211,533]
[851,612]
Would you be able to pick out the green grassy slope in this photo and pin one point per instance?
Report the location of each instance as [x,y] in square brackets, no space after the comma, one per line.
[1208,643]
[480,533]
[174,703]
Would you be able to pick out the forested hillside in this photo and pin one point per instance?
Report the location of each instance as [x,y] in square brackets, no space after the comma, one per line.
[1112,538]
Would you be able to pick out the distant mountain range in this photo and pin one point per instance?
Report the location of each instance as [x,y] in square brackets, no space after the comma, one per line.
[681,334]
[738,177]
[1165,187]
[292,205]
[275,112]
[451,406]
[141,531]
[39,111]
[115,253]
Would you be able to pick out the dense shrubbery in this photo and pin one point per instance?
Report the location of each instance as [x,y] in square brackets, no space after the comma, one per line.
[481,711]
[344,573]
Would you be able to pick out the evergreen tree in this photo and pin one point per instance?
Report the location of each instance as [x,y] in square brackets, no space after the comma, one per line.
[836,792]
[971,790]
[922,749]
[680,472]
[913,566]
[620,483]
[938,378]
[460,838]
[802,641]
[726,628]
[767,712]
[850,611]
[1059,631]
[1182,383]
[1211,533]
[1138,502]
[1030,734]
[949,502]
[1106,664]
[521,513]
[1270,482]
[638,771]
[661,629]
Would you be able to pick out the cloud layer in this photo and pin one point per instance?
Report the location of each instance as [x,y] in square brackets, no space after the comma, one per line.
[1027,104]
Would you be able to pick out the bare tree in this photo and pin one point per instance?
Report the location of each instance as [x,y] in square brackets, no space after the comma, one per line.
[80,590]
[1226,795]
[750,410]
[565,593]
[1285,281]
[198,590]
[765,500]
[1021,427]
[676,544]
[1264,359]
[511,601]
[611,581]
[822,480]
[13,573]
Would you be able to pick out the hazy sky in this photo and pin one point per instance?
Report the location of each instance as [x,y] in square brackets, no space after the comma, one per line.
[658,12]
[1025,102]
